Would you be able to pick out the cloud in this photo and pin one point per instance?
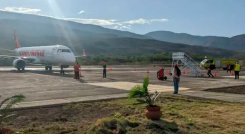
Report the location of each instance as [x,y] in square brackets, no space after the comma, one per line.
[22,10]
[116,24]
[142,21]
[101,22]
[159,20]
[137,21]
[81,12]
[122,27]
[109,23]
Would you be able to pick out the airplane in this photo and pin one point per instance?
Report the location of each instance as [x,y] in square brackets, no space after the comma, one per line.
[53,55]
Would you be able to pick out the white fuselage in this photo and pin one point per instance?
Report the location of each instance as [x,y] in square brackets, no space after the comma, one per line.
[47,55]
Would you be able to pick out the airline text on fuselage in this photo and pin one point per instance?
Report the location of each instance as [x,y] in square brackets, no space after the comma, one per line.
[38,53]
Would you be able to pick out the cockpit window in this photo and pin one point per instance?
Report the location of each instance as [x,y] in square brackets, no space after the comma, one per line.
[64,50]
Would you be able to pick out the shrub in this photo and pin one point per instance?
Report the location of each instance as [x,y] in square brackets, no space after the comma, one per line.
[143,94]
[6,105]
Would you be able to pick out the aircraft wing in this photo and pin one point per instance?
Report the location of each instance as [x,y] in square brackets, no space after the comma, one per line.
[8,56]
[6,53]
[27,59]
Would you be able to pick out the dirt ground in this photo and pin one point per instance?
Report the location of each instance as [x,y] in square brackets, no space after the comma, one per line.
[180,115]
[234,90]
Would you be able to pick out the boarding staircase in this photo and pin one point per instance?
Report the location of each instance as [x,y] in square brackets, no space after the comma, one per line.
[184,59]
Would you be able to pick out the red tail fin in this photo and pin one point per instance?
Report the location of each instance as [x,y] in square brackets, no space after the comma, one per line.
[17,44]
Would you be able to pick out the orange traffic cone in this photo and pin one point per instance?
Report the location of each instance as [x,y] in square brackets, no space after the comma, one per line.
[184,72]
[216,74]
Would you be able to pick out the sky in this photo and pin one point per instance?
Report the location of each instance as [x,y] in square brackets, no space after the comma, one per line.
[197,17]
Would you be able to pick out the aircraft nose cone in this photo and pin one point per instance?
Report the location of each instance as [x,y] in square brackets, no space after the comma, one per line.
[69,59]
[73,59]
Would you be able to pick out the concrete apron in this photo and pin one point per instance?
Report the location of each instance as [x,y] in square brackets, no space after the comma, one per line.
[129,85]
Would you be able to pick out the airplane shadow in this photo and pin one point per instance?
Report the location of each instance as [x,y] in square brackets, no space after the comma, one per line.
[68,74]
[43,72]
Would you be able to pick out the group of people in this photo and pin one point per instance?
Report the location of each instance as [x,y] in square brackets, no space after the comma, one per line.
[160,74]
[236,68]
[229,68]
[176,77]
[177,73]
[77,70]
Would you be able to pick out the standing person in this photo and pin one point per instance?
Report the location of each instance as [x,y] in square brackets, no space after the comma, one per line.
[228,68]
[160,74]
[210,72]
[237,69]
[176,78]
[77,71]
[62,71]
[104,71]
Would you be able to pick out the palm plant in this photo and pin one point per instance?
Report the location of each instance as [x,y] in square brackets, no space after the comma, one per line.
[142,93]
[6,105]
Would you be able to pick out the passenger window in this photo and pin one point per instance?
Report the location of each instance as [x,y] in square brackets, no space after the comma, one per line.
[66,50]
[63,51]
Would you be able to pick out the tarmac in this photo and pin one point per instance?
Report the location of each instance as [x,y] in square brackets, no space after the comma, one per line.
[216,96]
[43,88]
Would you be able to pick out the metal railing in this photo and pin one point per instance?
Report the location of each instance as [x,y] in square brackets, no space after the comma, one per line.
[187,62]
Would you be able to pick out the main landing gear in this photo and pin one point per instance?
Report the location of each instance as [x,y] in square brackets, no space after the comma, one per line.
[62,72]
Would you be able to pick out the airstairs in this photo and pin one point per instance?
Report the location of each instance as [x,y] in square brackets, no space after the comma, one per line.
[186,61]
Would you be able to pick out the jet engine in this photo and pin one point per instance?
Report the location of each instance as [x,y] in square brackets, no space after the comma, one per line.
[19,64]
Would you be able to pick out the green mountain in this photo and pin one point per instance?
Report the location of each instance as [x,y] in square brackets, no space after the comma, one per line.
[33,30]
[233,43]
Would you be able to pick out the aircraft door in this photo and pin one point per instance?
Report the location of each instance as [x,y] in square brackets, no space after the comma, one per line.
[60,55]
[48,56]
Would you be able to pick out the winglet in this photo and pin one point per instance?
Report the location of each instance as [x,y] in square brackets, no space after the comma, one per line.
[17,44]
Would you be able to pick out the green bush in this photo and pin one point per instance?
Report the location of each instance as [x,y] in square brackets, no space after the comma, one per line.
[142,93]
[6,105]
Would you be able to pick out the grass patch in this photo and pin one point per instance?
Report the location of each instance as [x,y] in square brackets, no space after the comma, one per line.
[180,115]
[110,125]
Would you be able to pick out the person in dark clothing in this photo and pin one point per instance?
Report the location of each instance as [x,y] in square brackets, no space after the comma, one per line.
[210,72]
[176,78]
[62,71]
[228,68]
[104,71]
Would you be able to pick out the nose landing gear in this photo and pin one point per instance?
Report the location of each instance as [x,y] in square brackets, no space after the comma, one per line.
[62,72]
